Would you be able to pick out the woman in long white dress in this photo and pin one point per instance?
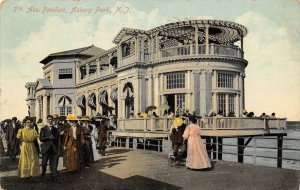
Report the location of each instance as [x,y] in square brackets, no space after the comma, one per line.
[197,157]
[94,135]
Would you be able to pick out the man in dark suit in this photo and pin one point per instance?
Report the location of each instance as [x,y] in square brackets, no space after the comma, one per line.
[10,137]
[49,137]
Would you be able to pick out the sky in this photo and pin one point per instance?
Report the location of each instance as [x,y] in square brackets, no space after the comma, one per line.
[29,32]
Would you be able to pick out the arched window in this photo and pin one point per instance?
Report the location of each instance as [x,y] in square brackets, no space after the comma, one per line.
[125,50]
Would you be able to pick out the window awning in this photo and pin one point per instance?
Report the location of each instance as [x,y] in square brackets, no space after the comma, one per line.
[114,95]
[81,102]
[103,98]
[92,101]
[64,101]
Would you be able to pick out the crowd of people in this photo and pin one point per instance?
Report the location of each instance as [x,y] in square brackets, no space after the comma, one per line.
[79,141]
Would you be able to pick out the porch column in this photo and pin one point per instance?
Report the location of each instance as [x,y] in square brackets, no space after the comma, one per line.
[97,101]
[157,46]
[137,49]
[215,102]
[196,40]
[226,105]
[206,39]
[142,58]
[237,105]
[44,108]
[193,92]
[242,47]
[120,100]
[87,72]
[119,54]
[150,91]
[156,90]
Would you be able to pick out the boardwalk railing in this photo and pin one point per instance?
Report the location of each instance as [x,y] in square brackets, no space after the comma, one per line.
[207,123]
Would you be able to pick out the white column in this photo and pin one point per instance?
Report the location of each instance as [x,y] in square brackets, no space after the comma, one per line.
[120,100]
[226,105]
[87,72]
[142,50]
[215,102]
[98,68]
[157,46]
[119,55]
[206,39]
[97,101]
[44,108]
[137,49]
[214,80]
[150,91]
[156,90]
[196,40]
[237,105]
[193,90]
[110,102]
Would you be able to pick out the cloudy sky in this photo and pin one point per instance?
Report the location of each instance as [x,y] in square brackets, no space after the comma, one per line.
[271,47]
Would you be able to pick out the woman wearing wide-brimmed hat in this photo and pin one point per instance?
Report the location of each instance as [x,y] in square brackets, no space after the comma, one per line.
[74,141]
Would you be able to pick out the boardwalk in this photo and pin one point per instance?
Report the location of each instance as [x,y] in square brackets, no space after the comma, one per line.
[139,169]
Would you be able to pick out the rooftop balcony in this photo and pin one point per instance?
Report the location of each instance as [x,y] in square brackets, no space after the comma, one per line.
[191,50]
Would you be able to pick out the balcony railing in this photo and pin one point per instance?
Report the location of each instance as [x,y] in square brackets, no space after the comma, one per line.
[208,123]
[188,50]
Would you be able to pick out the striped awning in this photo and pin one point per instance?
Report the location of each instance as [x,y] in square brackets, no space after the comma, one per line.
[114,95]
[103,98]
[92,100]
[81,101]
[64,101]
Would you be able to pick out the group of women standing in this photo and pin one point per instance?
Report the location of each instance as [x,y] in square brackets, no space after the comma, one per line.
[75,142]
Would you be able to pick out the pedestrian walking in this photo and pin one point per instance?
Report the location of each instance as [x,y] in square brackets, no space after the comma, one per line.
[49,137]
[87,147]
[74,141]
[13,147]
[102,136]
[29,160]
[197,157]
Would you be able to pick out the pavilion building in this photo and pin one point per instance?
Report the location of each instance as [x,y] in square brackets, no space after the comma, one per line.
[197,65]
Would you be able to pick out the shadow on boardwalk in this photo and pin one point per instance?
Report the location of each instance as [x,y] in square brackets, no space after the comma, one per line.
[128,169]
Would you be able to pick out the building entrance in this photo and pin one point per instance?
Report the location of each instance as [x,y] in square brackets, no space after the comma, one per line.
[171,102]
[176,103]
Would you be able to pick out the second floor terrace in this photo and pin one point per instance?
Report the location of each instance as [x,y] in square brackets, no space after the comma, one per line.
[192,39]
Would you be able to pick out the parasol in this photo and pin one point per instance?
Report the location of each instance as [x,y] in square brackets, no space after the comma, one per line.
[164,107]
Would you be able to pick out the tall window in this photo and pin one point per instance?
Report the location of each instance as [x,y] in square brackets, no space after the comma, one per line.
[231,103]
[65,110]
[221,103]
[125,50]
[180,102]
[225,80]
[175,80]
[64,73]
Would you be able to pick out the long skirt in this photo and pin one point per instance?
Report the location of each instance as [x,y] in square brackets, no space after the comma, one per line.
[95,151]
[74,157]
[29,160]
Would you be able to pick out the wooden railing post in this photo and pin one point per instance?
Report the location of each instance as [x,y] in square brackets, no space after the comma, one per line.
[145,124]
[152,124]
[241,150]
[220,148]
[279,151]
